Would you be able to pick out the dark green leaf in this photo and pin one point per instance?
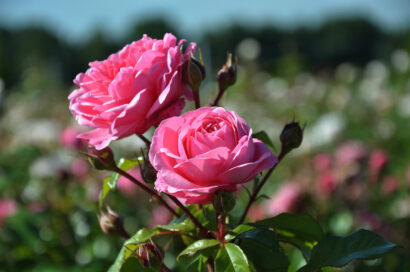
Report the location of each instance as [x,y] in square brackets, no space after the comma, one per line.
[262,248]
[263,136]
[198,265]
[141,236]
[199,245]
[231,258]
[338,251]
[300,230]
[133,265]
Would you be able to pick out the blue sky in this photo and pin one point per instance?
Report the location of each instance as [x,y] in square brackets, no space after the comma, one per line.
[74,19]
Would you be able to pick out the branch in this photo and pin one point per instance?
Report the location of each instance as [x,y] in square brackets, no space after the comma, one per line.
[203,231]
[154,194]
[257,190]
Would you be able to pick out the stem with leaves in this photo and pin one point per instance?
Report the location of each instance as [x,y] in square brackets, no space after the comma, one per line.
[255,193]
[202,230]
[150,191]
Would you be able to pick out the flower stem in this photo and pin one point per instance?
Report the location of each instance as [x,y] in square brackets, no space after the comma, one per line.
[202,230]
[219,96]
[150,191]
[196,98]
[144,139]
[257,190]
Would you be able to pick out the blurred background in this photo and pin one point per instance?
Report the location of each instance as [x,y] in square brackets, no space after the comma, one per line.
[342,67]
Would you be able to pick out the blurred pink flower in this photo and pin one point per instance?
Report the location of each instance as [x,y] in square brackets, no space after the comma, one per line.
[378,159]
[68,138]
[322,162]
[327,183]
[35,207]
[7,208]
[350,152]
[127,187]
[256,213]
[285,199]
[79,167]
[390,184]
[160,216]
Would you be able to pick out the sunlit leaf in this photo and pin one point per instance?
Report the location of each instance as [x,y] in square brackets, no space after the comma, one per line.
[199,245]
[230,258]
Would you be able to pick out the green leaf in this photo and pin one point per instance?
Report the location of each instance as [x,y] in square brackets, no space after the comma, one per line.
[141,236]
[198,265]
[263,250]
[128,252]
[263,136]
[300,230]
[238,230]
[230,258]
[199,245]
[110,182]
[182,223]
[116,266]
[133,265]
[338,251]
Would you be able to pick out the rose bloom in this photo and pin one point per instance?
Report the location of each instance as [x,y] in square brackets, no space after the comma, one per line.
[132,90]
[206,150]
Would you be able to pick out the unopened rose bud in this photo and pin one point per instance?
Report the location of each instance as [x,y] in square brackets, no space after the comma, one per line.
[148,173]
[291,137]
[110,222]
[224,201]
[150,254]
[227,75]
[101,159]
[193,73]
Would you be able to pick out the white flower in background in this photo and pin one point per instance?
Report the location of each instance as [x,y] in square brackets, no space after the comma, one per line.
[400,60]
[249,49]
[323,131]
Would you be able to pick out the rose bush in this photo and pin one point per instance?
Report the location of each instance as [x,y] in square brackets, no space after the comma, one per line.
[132,90]
[206,150]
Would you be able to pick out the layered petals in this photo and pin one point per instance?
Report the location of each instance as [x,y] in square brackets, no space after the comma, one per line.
[132,90]
[206,150]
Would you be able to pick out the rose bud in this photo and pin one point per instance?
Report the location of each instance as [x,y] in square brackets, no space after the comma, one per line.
[101,159]
[193,73]
[291,137]
[227,75]
[148,173]
[150,254]
[204,151]
[111,222]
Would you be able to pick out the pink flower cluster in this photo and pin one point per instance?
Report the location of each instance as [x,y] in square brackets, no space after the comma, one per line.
[195,154]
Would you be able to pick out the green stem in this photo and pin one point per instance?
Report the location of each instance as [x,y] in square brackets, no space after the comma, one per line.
[150,191]
[257,190]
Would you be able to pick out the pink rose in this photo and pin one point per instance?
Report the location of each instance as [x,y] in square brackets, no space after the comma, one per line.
[132,90]
[203,151]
